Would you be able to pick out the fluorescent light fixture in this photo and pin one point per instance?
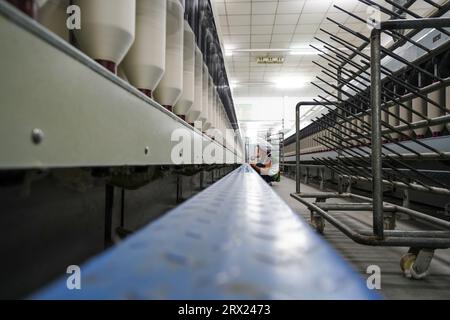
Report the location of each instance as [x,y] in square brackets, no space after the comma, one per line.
[290,82]
[305,49]
[229,49]
[304,52]
[234,84]
[262,50]
[293,51]
[255,83]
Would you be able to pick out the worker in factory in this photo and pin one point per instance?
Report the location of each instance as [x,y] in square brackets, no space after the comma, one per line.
[263,162]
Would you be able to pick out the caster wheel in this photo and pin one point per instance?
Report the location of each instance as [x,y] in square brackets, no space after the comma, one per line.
[408,266]
[418,275]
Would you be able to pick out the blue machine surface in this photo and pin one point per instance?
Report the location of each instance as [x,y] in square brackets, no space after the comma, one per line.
[235,240]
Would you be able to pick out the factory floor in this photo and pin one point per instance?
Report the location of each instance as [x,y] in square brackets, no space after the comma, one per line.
[393,284]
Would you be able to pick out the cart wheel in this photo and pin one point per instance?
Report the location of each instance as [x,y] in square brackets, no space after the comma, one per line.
[410,268]
[418,275]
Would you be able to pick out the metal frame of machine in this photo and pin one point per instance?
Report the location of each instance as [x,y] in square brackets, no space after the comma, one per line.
[85,154]
[364,160]
[197,251]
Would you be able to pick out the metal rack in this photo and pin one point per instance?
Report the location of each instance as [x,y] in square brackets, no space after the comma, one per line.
[363,140]
[277,140]
[281,150]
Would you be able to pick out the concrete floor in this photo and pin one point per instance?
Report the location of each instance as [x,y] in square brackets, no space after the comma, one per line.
[393,284]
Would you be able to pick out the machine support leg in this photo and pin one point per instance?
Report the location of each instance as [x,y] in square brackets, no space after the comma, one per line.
[201,179]
[405,203]
[179,189]
[375,96]
[297,148]
[109,201]
[406,200]
[322,178]
[122,208]
[349,186]
[317,221]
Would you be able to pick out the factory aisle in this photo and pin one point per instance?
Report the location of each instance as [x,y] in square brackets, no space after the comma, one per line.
[393,284]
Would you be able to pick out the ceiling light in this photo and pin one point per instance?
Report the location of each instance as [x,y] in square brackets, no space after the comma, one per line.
[293,51]
[304,53]
[290,82]
[234,84]
[262,50]
[249,84]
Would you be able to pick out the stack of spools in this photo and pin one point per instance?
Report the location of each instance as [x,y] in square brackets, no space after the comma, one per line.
[145,62]
[438,97]
[405,113]
[205,100]
[187,98]
[196,109]
[216,116]
[419,105]
[107,30]
[147,43]
[433,111]
[394,116]
[170,88]
[210,106]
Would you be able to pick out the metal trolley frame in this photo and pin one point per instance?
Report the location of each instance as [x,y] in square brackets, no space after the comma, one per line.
[422,243]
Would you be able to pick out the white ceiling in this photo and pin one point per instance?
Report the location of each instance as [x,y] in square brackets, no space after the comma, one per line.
[284,24]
